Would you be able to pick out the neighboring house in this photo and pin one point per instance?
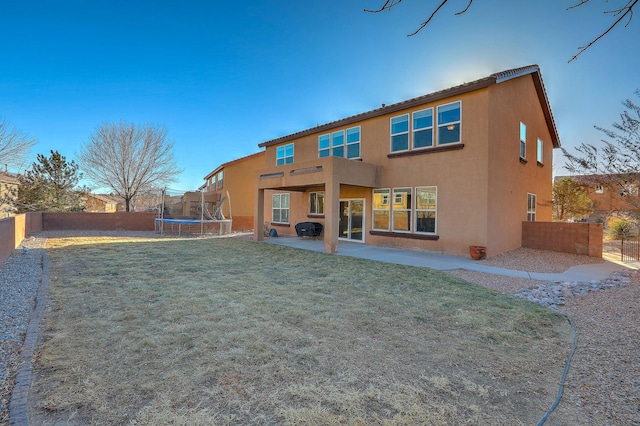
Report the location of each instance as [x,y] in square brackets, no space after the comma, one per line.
[232,188]
[611,194]
[98,203]
[441,172]
[8,184]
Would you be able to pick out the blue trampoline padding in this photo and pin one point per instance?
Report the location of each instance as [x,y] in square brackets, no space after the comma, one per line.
[185,221]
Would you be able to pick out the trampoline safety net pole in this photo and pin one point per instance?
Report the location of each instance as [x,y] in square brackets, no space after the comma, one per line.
[202,214]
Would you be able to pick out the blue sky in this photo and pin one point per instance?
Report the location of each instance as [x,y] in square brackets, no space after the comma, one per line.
[224,76]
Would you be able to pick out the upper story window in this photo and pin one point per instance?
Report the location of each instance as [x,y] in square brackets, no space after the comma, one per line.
[419,132]
[353,142]
[400,133]
[324,146]
[599,189]
[284,154]
[341,143]
[337,143]
[531,207]
[539,156]
[523,140]
[316,203]
[220,179]
[423,128]
[449,120]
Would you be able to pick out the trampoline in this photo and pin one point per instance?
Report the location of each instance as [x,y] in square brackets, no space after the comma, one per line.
[193,226]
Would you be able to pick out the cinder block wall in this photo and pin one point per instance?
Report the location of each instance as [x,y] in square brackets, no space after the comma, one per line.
[14,229]
[575,238]
[118,221]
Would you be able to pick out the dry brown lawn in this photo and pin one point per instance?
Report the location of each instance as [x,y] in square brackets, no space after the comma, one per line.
[225,331]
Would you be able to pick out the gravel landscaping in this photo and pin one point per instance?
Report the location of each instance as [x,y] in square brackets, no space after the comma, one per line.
[603,383]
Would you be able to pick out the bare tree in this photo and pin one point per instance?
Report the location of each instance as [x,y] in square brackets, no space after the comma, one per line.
[129,159]
[620,14]
[14,145]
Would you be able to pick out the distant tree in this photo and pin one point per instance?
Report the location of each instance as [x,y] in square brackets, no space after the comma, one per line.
[50,185]
[129,159]
[616,164]
[620,14]
[570,200]
[14,145]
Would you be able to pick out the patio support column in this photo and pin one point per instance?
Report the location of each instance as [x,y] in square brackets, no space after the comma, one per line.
[332,215]
[258,216]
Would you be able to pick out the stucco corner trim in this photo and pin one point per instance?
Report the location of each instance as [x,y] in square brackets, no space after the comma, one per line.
[441,148]
[431,237]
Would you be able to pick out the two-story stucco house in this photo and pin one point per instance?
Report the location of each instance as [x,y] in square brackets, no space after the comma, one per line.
[441,172]
[230,186]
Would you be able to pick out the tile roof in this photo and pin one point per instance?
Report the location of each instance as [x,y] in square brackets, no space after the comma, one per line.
[496,78]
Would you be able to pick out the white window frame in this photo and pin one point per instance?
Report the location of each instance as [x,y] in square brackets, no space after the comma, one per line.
[540,151]
[385,207]
[326,149]
[220,179]
[281,196]
[531,207]
[338,145]
[523,141]
[599,189]
[353,143]
[421,129]
[407,132]
[448,123]
[281,154]
[408,209]
[434,210]
[316,195]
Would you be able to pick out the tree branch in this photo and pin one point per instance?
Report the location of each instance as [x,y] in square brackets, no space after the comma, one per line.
[623,11]
[386,6]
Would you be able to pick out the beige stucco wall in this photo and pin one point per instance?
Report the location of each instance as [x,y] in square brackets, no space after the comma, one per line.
[512,102]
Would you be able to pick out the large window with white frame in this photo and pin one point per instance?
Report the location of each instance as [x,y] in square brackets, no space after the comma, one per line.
[523,140]
[316,202]
[394,210]
[341,143]
[427,128]
[531,207]
[426,209]
[401,209]
[284,154]
[280,208]
[381,205]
